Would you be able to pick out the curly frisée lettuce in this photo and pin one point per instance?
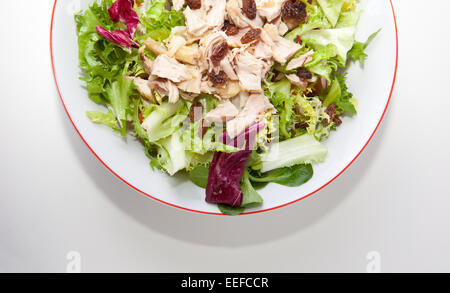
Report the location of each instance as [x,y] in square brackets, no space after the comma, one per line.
[233,109]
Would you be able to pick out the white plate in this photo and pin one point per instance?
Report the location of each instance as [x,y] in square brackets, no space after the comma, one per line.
[372,86]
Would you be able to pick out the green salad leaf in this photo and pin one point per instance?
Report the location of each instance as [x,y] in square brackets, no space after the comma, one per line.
[158,22]
[357,51]
[199,176]
[250,197]
[289,176]
[332,9]
[108,119]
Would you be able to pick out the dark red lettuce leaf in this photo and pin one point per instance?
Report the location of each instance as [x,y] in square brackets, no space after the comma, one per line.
[119,37]
[122,10]
[226,169]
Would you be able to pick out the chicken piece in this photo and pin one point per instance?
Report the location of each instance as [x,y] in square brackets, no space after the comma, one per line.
[234,41]
[215,12]
[263,51]
[222,113]
[227,66]
[216,56]
[240,100]
[143,87]
[213,50]
[174,43]
[192,85]
[230,90]
[234,12]
[166,88]
[249,71]
[256,106]
[297,81]
[281,26]
[283,49]
[195,23]
[156,47]
[177,4]
[188,96]
[146,63]
[169,68]
[300,61]
[269,9]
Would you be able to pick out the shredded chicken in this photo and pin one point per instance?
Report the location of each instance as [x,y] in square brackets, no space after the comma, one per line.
[255,106]
[192,85]
[195,22]
[222,113]
[234,11]
[300,61]
[226,49]
[249,71]
[146,63]
[143,87]
[170,68]
[215,14]
[283,49]
[297,81]
[166,88]
[269,9]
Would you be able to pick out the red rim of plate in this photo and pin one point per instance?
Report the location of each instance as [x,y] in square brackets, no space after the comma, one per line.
[210,213]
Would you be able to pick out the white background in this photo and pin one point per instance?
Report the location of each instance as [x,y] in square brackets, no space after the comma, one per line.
[56,197]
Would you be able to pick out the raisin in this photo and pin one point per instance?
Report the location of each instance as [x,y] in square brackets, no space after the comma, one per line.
[140,116]
[304,73]
[337,121]
[250,36]
[230,29]
[331,111]
[294,10]
[249,8]
[312,94]
[194,4]
[301,125]
[219,79]
[219,52]
[196,108]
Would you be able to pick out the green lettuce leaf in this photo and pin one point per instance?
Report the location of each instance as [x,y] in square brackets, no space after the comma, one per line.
[340,96]
[279,94]
[289,176]
[324,61]
[157,21]
[304,149]
[341,38]
[332,9]
[357,51]
[119,95]
[107,119]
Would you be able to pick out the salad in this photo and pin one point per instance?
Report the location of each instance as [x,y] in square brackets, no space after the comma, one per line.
[235,93]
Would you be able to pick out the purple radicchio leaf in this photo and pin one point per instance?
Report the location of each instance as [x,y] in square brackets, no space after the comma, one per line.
[226,169]
[119,37]
[122,10]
